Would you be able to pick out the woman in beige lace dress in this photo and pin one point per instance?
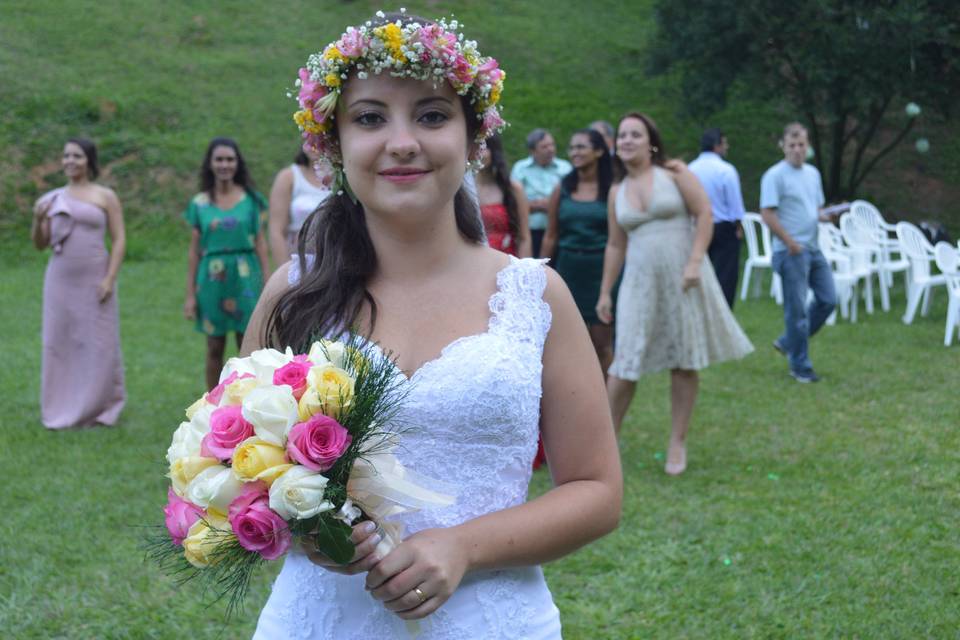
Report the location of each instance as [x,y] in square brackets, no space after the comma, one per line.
[671,313]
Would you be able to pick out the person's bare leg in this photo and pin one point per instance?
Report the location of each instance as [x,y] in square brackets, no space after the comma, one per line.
[215,348]
[620,393]
[684,385]
[602,337]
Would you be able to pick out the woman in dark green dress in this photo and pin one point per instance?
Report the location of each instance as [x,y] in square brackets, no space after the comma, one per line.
[227,261]
[577,231]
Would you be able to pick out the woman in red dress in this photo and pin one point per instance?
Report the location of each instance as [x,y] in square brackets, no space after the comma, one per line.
[503,204]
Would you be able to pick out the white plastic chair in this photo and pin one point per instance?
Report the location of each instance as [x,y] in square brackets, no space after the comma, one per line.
[869,216]
[846,274]
[866,251]
[759,256]
[917,249]
[947,258]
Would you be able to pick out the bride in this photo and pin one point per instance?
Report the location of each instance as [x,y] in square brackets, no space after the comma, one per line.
[492,347]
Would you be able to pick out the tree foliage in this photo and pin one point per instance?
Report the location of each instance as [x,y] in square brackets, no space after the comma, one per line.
[848,67]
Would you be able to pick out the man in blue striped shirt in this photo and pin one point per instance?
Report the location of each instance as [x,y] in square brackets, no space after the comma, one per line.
[722,184]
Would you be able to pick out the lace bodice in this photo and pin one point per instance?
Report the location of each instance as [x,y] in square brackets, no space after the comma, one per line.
[472,418]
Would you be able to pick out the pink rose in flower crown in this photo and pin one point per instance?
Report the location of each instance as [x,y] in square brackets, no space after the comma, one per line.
[214,395]
[489,72]
[461,72]
[228,428]
[310,90]
[294,374]
[437,43]
[351,44]
[318,443]
[258,527]
[179,516]
[491,120]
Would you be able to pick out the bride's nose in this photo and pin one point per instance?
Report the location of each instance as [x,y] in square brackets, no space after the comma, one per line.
[402,144]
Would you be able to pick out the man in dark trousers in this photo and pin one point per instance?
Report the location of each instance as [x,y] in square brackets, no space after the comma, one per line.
[722,183]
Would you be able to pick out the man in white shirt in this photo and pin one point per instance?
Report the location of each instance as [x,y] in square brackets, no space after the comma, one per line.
[722,184]
[539,174]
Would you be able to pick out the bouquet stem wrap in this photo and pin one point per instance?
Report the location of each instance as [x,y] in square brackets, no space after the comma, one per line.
[382,488]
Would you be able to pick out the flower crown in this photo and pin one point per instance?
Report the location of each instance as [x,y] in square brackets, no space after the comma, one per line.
[433,51]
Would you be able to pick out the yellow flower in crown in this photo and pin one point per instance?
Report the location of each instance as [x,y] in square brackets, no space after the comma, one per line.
[333,54]
[392,38]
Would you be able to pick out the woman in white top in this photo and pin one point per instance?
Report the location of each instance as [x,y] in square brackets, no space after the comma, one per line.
[297,191]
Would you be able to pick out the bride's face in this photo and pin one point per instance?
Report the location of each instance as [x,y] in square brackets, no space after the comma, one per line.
[403,142]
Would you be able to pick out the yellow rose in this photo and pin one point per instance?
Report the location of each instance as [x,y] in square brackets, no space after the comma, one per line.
[236,391]
[201,543]
[329,391]
[254,459]
[196,406]
[183,470]
[331,80]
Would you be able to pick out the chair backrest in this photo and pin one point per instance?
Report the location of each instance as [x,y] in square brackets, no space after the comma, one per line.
[867,214]
[858,233]
[916,248]
[752,222]
[948,261]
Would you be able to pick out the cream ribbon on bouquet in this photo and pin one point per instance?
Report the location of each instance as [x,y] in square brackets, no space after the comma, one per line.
[383,488]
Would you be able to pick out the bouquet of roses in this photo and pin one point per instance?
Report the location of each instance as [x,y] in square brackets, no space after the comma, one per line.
[285,447]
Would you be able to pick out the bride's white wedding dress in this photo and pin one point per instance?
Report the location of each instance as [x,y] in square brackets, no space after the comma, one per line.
[475,413]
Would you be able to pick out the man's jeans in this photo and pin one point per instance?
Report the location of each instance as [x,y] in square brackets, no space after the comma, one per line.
[806,270]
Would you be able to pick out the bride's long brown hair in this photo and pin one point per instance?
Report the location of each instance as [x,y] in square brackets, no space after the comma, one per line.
[331,292]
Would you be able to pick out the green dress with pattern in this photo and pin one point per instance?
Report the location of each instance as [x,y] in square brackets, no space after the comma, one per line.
[229,278]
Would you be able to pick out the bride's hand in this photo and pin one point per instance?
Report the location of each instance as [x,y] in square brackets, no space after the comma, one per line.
[365,540]
[419,575]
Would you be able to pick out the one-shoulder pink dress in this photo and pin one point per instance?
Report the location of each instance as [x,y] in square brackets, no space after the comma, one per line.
[82,366]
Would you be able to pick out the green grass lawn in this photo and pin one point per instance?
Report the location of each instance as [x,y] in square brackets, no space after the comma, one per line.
[819,511]
[813,511]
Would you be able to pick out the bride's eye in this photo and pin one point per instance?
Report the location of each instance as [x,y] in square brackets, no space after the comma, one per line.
[368,119]
[434,118]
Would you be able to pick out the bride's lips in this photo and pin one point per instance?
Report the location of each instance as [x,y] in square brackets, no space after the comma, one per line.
[403,175]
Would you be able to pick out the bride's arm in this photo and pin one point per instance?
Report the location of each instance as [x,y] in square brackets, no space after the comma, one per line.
[583,505]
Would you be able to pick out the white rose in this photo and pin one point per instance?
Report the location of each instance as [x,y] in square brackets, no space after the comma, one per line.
[236,391]
[186,440]
[214,487]
[298,494]
[327,351]
[239,366]
[272,411]
[266,361]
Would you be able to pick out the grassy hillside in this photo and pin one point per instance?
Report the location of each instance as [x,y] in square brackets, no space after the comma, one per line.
[152,82]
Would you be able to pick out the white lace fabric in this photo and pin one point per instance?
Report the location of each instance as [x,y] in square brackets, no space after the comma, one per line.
[472,418]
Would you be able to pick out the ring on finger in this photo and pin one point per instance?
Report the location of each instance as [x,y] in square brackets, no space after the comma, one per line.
[420,594]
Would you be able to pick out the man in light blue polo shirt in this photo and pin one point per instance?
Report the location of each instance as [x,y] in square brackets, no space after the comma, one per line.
[722,184]
[539,174]
[791,199]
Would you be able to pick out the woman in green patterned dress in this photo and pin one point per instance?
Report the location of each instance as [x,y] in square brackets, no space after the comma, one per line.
[227,260]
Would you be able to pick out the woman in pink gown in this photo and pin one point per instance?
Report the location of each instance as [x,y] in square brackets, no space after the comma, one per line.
[82,367]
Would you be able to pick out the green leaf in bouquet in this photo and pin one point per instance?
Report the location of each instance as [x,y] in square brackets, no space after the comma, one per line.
[333,539]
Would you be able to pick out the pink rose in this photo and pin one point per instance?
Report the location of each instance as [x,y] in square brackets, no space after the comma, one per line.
[318,443]
[294,374]
[351,44]
[227,430]
[461,71]
[215,394]
[179,516]
[310,90]
[489,72]
[257,526]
